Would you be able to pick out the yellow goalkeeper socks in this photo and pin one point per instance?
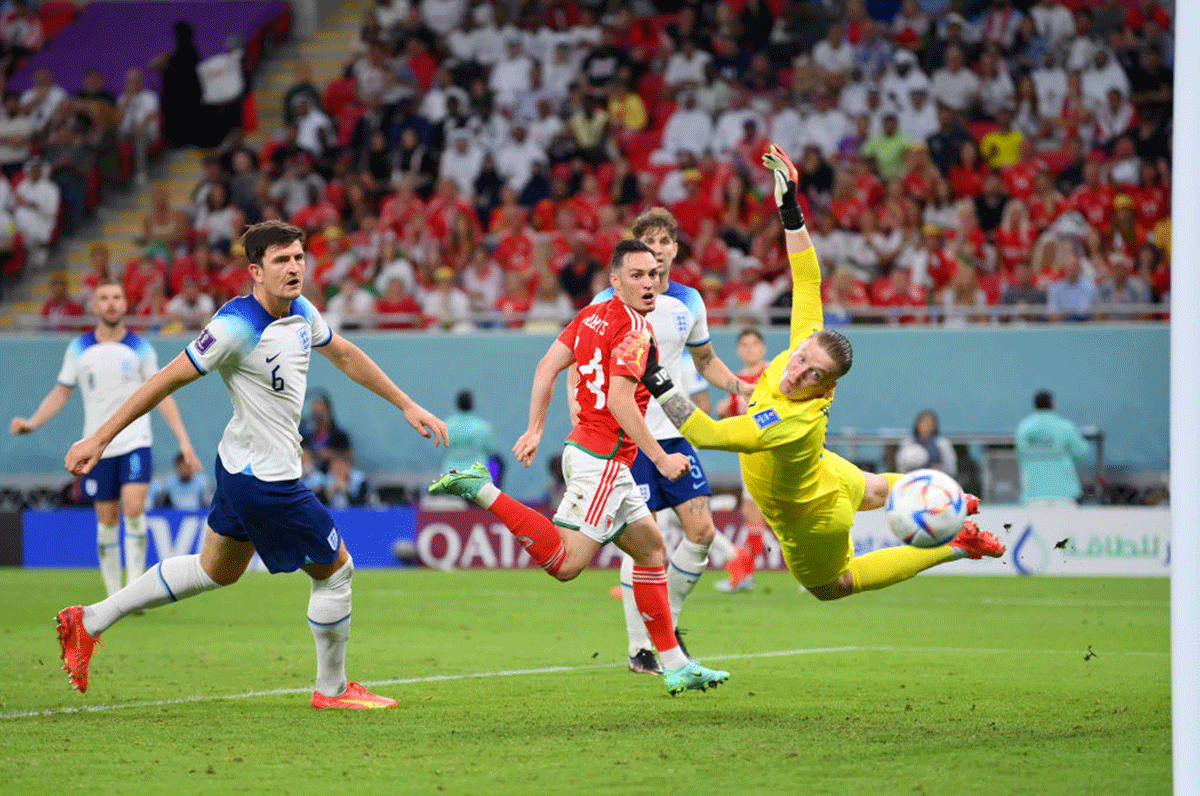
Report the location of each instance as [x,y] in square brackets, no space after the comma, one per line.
[882,568]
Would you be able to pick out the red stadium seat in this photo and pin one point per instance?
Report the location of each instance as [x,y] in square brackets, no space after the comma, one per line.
[338,94]
[639,146]
[56,15]
[649,88]
[345,120]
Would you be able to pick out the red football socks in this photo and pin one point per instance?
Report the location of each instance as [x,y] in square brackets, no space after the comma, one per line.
[650,594]
[536,534]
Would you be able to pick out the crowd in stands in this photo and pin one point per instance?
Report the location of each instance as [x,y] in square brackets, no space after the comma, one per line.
[476,162]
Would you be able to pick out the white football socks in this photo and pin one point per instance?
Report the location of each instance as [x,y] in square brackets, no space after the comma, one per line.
[329,619]
[635,627]
[723,548]
[688,563]
[108,549]
[135,547]
[170,581]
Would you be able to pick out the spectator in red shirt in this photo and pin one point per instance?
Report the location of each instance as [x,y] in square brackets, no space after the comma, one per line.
[1127,234]
[1046,204]
[897,290]
[1152,197]
[514,301]
[1020,178]
[740,213]
[842,295]
[1093,199]
[694,209]
[588,201]
[966,175]
[59,309]
[192,266]
[506,216]
[154,299]
[845,206]
[397,301]
[138,274]
[317,212]
[714,302]
[609,232]
[969,239]
[545,212]
[401,206]
[1015,236]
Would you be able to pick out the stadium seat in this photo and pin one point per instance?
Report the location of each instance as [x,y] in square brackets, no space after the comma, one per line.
[338,94]
[639,146]
[649,88]
[56,15]
[345,120]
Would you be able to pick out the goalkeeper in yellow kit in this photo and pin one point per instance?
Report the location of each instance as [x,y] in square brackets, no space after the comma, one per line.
[807,494]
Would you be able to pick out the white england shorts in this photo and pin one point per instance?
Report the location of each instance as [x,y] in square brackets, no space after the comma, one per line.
[601,496]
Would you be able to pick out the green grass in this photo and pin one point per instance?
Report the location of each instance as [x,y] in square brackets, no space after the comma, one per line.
[942,685]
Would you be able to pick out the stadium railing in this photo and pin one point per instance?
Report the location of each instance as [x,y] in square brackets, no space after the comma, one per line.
[973,316]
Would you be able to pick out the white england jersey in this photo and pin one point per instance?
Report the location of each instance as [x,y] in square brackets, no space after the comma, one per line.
[106,374]
[678,319]
[264,362]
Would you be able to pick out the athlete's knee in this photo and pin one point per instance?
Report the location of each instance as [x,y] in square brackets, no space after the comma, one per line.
[222,576]
[655,556]
[575,560]
[567,572]
[701,532]
[834,590]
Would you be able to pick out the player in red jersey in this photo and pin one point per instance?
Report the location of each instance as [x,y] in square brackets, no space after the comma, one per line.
[602,502]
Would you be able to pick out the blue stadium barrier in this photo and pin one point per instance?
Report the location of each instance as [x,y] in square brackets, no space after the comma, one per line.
[1114,377]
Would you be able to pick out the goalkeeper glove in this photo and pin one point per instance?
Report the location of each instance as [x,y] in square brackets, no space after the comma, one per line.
[786,178]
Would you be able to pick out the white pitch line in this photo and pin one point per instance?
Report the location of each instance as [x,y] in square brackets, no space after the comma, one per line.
[441,678]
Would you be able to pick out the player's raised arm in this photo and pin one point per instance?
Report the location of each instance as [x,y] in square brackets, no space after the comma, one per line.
[558,358]
[84,454]
[351,360]
[807,312]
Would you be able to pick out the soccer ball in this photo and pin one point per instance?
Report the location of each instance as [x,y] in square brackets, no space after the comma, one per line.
[926,508]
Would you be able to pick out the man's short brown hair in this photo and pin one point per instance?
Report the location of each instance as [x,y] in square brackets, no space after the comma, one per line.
[625,247]
[260,237]
[655,218]
[839,350]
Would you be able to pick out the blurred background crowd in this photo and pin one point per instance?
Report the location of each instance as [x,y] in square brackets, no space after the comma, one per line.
[961,162]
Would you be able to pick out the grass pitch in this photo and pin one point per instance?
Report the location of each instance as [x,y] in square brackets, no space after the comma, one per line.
[511,683]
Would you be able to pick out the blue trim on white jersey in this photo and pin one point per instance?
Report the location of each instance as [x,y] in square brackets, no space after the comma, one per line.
[691,299]
[138,345]
[249,310]
[83,342]
[187,350]
[302,306]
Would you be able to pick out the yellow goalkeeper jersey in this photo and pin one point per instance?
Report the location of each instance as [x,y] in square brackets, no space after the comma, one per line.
[781,441]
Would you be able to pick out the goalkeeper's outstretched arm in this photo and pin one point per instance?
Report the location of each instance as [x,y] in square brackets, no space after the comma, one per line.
[807,312]
[738,434]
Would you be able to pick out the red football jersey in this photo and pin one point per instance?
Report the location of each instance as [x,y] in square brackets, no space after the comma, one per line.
[593,335]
